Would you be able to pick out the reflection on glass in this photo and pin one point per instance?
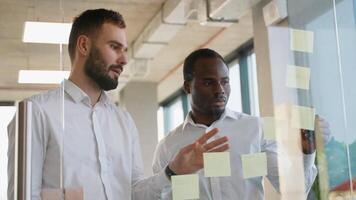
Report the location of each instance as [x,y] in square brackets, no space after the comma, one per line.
[7,113]
[332,91]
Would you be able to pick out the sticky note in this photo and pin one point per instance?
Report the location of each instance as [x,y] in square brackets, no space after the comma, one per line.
[254,165]
[217,164]
[269,128]
[74,193]
[49,194]
[303,117]
[185,187]
[298,77]
[301,40]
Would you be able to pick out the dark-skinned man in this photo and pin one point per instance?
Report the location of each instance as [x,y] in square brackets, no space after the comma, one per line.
[206,81]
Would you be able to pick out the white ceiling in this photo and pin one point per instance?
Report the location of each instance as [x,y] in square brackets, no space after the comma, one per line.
[16,55]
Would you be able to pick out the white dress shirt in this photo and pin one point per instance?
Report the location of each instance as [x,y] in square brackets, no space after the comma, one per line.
[245,137]
[101,149]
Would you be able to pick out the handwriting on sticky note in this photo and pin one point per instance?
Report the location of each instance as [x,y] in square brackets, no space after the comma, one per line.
[254,165]
[269,128]
[303,117]
[185,187]
[298,77]
[217,164]
[301,40]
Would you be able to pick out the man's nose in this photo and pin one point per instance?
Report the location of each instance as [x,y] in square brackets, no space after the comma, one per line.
[219,88]
[122,59]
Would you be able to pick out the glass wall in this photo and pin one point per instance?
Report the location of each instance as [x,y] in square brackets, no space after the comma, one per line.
[313,67]
[7,113]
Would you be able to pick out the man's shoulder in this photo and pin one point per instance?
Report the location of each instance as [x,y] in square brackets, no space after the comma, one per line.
[173,136]
[241,116]
[48,97]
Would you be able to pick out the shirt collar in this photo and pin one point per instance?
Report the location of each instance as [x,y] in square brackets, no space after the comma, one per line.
[227,114]
[78,95]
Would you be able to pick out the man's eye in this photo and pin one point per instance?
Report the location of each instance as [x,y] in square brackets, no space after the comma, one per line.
[207,83]
[225,82]
[113,46]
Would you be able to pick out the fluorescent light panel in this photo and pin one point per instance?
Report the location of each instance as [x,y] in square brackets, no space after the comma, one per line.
[42,76]
[46,32]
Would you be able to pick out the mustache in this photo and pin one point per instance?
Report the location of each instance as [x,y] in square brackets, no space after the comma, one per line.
[220,97]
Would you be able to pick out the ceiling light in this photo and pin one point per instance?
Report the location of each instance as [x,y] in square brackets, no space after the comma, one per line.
[42,76]
[46,32]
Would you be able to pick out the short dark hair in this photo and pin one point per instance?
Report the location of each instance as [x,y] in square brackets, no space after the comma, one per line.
[191,59]
[89,23]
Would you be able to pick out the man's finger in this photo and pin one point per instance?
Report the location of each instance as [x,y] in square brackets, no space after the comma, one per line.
[215,143]
[207,136]
[222,148]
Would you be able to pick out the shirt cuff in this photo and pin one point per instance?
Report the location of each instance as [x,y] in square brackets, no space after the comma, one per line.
[309,160]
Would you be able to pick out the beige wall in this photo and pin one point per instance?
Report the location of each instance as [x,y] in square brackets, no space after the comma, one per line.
[140,99]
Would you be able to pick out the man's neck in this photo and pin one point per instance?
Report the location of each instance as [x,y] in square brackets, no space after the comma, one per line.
[207,120]
[87,85]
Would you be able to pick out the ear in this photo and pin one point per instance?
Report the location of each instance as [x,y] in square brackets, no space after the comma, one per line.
[186,87]
[83,45]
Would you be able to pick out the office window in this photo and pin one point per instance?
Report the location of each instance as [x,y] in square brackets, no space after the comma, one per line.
[243,81]
[160,123]
[172,112]
[253,85]
[234,102]
[175,114]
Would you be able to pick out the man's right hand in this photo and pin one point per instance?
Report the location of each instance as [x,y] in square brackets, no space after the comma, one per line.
[190,158]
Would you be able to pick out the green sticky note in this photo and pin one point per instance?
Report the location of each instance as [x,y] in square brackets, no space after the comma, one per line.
[301,40]
[298,77]
[303,117]
[254,165]
[185,187]
[217,164]
[269,128]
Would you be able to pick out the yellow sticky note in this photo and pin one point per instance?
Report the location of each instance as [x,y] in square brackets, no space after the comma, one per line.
[185,187]
[254,165]
[217,164]
[303,117]
[298,77]
[269,128]
[301,40]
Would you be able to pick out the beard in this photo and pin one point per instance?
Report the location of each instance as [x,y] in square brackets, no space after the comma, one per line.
[217,112]
[96,68]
